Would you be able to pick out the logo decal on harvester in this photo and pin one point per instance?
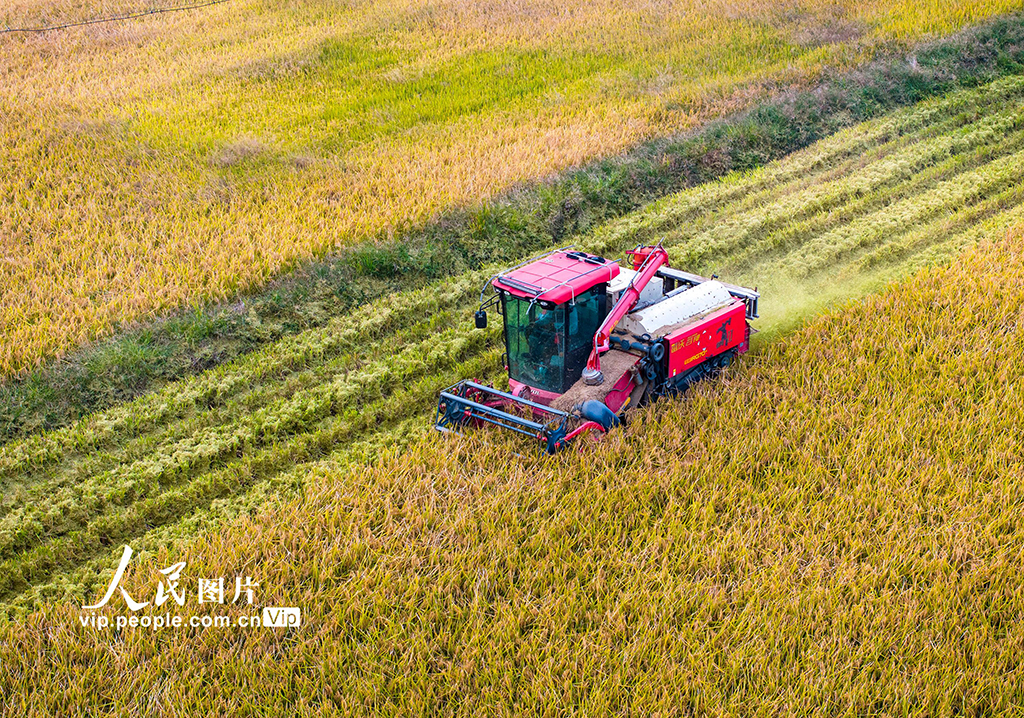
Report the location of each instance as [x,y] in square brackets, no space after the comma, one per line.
[724,329]
[696,356]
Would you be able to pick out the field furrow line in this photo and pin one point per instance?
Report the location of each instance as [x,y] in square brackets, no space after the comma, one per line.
[68,508]
[37,564]
[41,479]
[847,198]
[998,212]
[215,388]
[900,156]
[833,158]
[759,249]
[866,232]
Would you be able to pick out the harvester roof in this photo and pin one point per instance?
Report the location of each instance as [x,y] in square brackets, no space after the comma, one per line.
[557,277]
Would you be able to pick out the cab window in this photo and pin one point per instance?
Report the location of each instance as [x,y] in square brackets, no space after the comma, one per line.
[535,339]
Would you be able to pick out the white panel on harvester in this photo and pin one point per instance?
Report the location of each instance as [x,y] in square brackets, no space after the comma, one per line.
[677,308]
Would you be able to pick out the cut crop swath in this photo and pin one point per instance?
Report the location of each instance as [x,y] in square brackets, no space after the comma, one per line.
[830,222]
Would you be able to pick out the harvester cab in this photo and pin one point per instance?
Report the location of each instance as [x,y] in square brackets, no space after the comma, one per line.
[586,339]
[552,308]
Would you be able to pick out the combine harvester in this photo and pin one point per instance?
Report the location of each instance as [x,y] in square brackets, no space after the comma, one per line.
[586,339]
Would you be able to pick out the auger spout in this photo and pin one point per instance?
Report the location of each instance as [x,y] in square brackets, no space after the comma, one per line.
[656,258]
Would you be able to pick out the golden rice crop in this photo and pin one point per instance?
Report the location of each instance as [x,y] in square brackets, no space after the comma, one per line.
[156,470]
[189,155]
[833,528]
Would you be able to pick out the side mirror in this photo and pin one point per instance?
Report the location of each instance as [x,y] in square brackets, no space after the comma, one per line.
[481,319]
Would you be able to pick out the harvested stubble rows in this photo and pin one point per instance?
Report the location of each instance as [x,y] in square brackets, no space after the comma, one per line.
[837,526]
[190,155]
[854,210]
[155,471]
[172,463]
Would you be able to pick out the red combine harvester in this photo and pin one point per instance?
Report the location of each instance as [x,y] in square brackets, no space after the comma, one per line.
[586,339]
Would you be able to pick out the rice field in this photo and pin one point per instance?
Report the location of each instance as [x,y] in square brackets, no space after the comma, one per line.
[840,219]
[852,212]
[188,156]
[832,529]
